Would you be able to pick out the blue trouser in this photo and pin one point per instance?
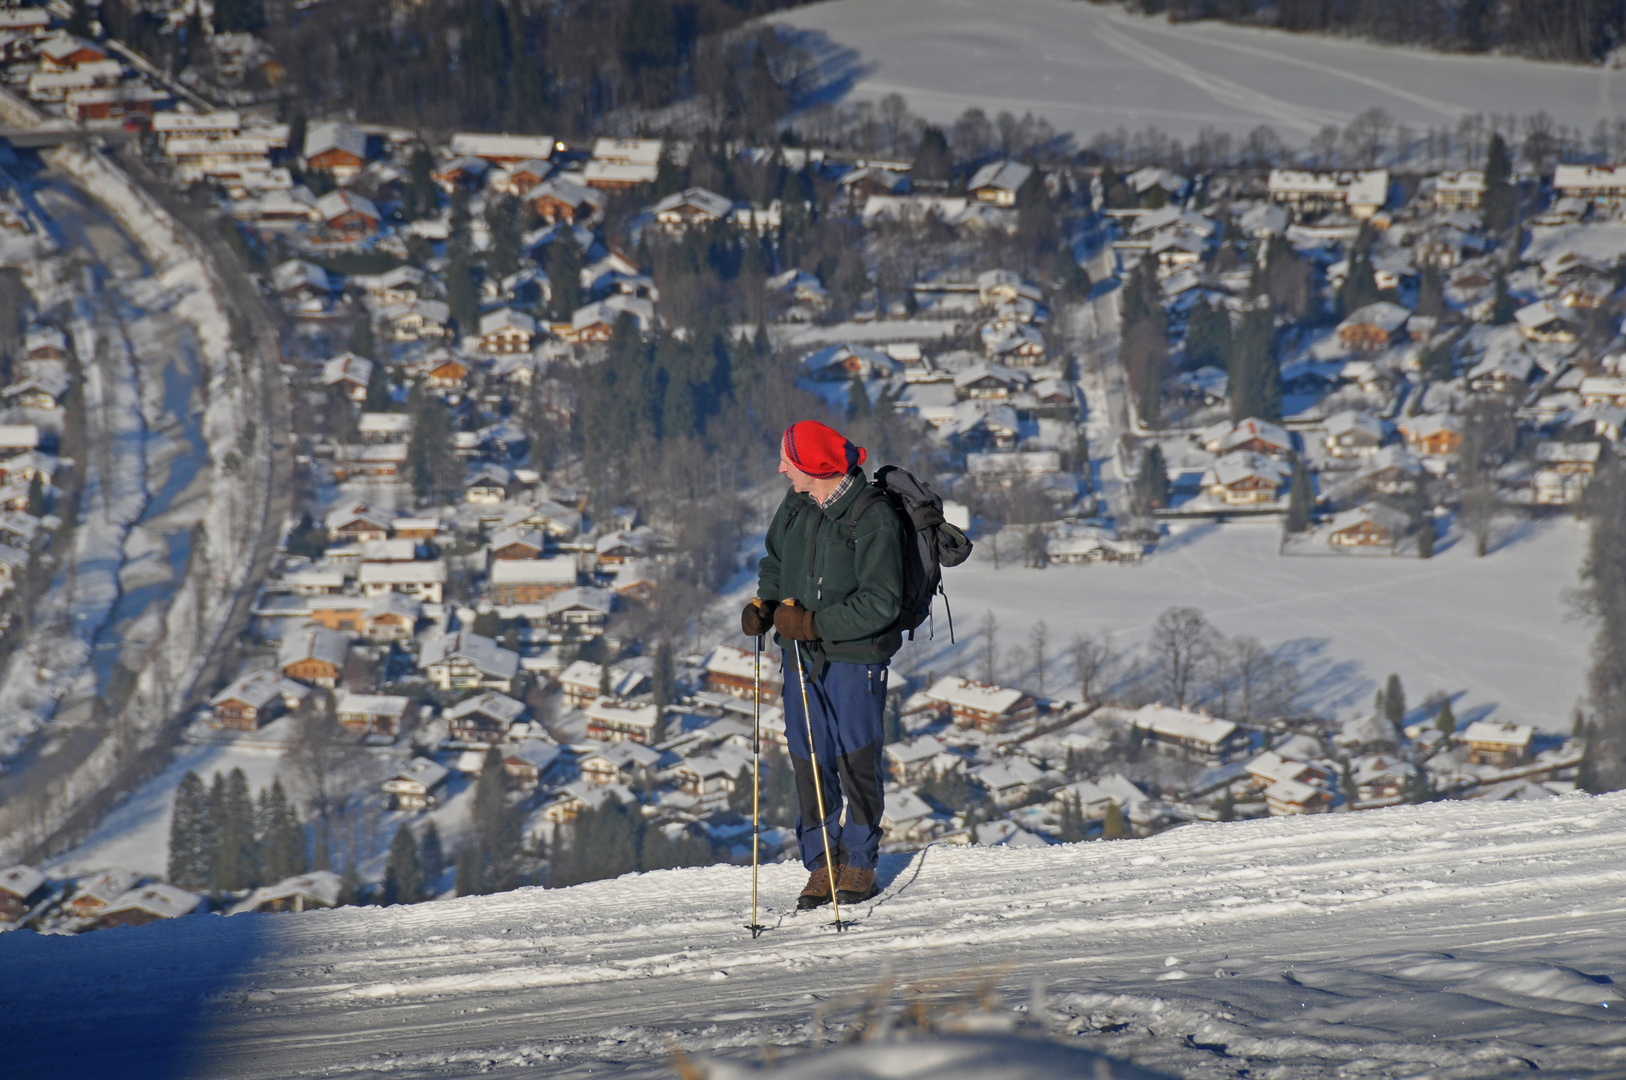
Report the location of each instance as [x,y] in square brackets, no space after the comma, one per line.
[847,704]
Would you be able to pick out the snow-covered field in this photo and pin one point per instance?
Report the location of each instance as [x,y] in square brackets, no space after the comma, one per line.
[1498,628]
[1448,940]
[1091,68]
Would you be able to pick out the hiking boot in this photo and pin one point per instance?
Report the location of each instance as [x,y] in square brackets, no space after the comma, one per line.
[856,884]
[817,889]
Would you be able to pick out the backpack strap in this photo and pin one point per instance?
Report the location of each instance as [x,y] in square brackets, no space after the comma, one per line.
[866,499]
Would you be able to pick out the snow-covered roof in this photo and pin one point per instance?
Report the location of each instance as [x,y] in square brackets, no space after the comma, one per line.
[319,888]
[1391,521]
[256,689]
[1605,178]
[556,571]
[485,654]
[21,881]
[580,597]
[628,151]
[420,771]
[1496,733]
[974,696]
[1004,175]
[164,901]
[615,711]
[347,367]
[1242,465]
[1008,773]
[1369,188]
[334,135]
[1568,453]
[1271,766]
[741,663]
[423,572]
[502,147]
[372,705]
[1183,724]
[338,203]
[540,754]
[585,675]
[497,706]
[314,643]
[698,199]
[924,748]
[1382,315]
[506,319]
[1351,422]
[1534,316]
[1253,428]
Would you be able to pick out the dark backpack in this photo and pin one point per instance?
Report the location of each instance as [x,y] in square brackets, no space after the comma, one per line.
[929,542]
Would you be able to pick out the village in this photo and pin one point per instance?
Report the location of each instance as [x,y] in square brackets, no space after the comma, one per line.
[1388,361]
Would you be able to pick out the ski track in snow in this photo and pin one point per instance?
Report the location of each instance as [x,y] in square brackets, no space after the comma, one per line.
[1092,68]
[1451,939]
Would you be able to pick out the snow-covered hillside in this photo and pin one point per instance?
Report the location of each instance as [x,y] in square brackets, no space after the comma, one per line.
[1498,630]
[1447,940]
[1091,68]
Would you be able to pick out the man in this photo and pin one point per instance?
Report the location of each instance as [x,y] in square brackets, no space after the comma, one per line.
[831,584]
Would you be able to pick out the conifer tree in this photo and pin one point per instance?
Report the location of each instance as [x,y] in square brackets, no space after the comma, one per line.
[404,878]
[1502,306]
[432,856]
[1426,537]
[665,680]
[1431,293]
[564,274]
[237,856]
[1360,284]
[1153,481]
[1071,826]
[1498,200]
[1300,499]
[191,848]
[505,219]
[36,495]
[1208,336]
[1394,703]
[1446,720]
[1226,806]
[378,391]
[1113,826]
[858,407]
[282,837]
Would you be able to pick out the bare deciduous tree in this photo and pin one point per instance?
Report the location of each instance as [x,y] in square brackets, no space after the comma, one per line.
[1039,652]
[1092,657]
[1182,641]
[990,647]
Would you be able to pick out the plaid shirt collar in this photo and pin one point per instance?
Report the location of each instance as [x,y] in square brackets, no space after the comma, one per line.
[842,488]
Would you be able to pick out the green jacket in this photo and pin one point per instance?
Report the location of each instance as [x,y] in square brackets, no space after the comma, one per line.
[851,579]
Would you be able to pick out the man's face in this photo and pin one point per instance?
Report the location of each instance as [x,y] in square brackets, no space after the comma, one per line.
[799,480]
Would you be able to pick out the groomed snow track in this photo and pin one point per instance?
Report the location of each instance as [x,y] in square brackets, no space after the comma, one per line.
[1444,940]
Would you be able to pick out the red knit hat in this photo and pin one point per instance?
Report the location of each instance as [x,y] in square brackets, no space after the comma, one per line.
[821,451]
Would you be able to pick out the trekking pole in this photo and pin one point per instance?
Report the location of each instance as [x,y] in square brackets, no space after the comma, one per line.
[818,788]
[756,782]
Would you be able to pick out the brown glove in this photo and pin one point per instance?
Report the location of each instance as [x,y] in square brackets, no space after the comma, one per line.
[795,622]
[757,618]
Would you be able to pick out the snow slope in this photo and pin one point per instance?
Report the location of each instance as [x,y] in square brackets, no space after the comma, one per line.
[1498,628]
[1091,68]
[1447,940]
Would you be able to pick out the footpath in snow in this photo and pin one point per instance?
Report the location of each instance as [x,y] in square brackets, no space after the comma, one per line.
[1449,940]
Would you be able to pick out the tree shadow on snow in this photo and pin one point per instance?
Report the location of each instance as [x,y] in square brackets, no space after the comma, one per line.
[1325,683]
[1186,537]
[134,1002]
